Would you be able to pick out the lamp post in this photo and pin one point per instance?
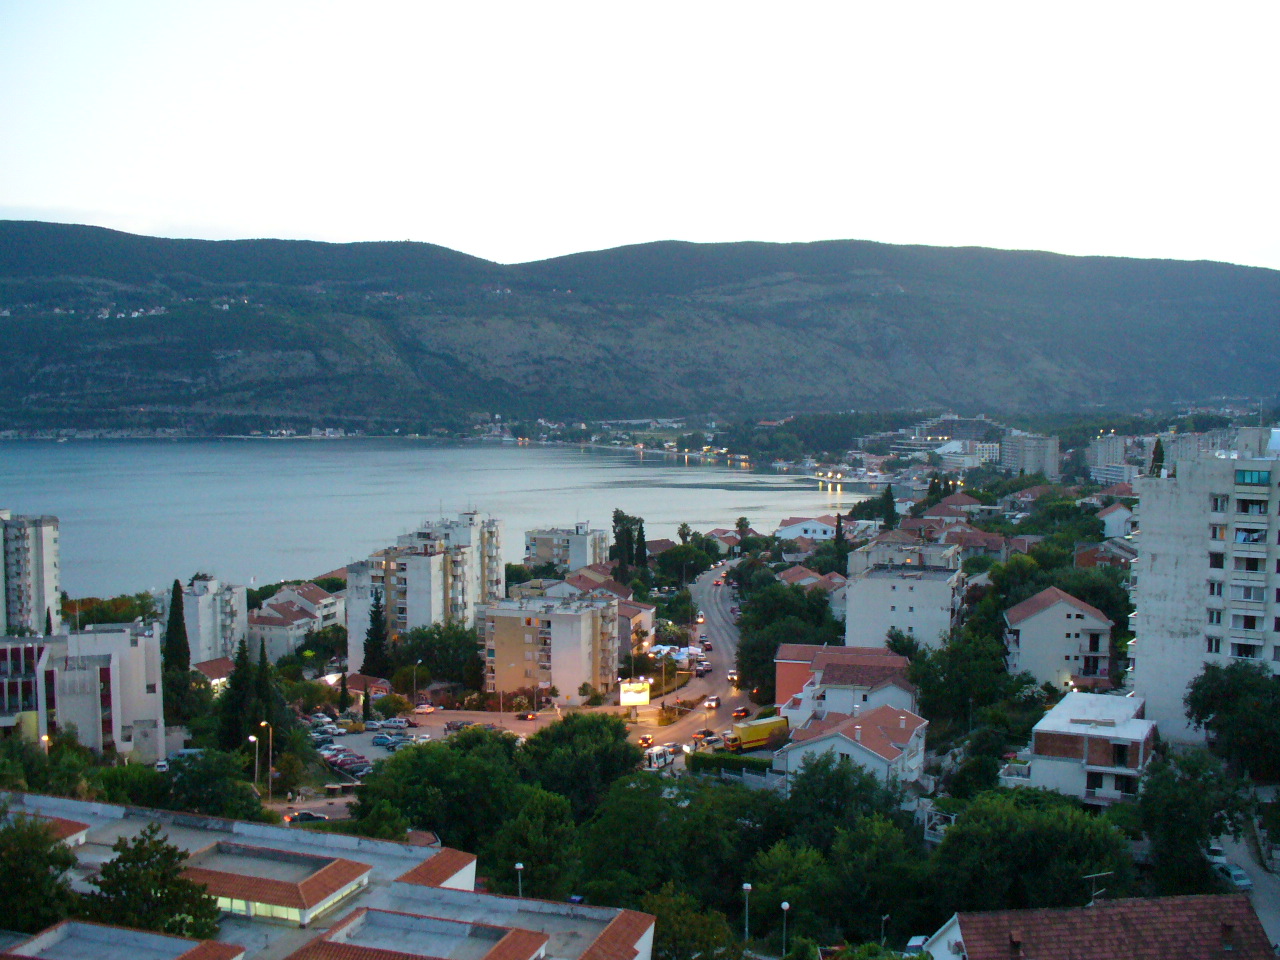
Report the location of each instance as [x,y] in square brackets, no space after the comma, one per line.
[254,741]
[271,742]
[44,742]
[746,912]
[520,880]
[415,682]
[785,907]
[882,922]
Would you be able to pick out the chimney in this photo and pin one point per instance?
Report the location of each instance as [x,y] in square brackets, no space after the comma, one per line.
[902,722]
[857,733]
[1015,943]
[857,708]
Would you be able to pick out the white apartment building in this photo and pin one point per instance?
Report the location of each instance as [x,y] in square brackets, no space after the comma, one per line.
[1208,573]
[548,643]
[31,587]
[216,615]
[446,571]
[568,548]
[105,680]
[1059,640]
[1030,453]
[915,588]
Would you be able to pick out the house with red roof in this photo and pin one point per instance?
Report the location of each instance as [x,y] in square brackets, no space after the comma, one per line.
[815,528]
[885,741]
[799,576]
[839,680]
[976,543]
[284,619]
[1059,640]
[1156,928]
[946,514]
[1117,520]
[217,671]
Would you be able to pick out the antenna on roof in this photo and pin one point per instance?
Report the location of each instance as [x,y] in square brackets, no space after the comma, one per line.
[1093,896]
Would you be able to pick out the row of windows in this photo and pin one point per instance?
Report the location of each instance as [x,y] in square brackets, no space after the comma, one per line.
[1250,535]
[1253,478]
[1242,651]
[1239,621]
[1218,561]
[1221,503]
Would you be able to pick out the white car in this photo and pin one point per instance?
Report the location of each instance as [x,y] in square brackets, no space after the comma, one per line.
[395,723]
[424,708]
[712,703]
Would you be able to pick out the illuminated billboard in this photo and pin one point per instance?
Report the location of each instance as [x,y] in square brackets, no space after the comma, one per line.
[634,693]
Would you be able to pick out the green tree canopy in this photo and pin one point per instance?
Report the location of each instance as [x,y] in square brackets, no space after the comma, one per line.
[685,930]
[143,887]
[34,883]
[376,662]
[1239,706]
[579,757]
[177,651]
[212,782]
[543,837]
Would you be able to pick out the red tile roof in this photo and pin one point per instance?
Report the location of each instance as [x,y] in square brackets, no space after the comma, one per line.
[1049,597]
[885,731]
[656,547]
[959,500]
[1117,490]
[61,828]
[218,669]
[1157,928]
[1114,508]
[619,939]
[331,877]
[942,511]
[279,615]
[809,652]
[311,593]
[437,869]
[797,574]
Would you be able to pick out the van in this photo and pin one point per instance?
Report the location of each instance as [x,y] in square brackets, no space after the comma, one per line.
[395,723]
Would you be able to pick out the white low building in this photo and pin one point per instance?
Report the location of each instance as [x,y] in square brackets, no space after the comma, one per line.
[284,620]
[1090,745]
[915,588]
[105,681]
[815,528]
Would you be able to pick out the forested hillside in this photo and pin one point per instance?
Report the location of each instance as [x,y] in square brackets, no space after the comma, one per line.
[108,329]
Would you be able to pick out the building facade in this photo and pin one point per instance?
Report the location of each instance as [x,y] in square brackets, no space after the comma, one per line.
[1059,640]
[914,588]
[104,681]
[568,548]
[447,571]
[31,588]
[284,621]
[1090,745]
[885,741]
[545,643]
[216,615]
[1207,574]
[1030,453]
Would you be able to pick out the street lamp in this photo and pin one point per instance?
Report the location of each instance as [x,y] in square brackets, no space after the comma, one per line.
[415,682]
[44,742]
[520,880]
[271,742]
[746,912]
[882,922]
[785,907]
[254,741]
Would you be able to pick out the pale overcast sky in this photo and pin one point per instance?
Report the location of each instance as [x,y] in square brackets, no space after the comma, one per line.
[517,131]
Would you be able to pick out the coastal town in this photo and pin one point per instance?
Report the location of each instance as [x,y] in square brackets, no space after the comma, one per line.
[1020,694]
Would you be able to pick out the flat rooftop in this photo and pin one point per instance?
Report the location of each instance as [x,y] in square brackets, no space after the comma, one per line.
[74,940]
[1097,714]
[909,572]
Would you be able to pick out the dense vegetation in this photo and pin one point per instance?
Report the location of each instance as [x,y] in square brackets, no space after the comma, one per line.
[255,334]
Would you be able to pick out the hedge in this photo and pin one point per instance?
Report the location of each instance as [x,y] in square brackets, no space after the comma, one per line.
[697,762]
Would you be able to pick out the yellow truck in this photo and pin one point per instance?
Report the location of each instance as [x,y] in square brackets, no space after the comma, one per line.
[754,734]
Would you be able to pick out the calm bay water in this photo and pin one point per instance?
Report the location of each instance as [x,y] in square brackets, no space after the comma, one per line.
[135,514]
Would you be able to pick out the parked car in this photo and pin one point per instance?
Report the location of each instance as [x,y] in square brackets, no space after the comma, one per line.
[1234,875]
[304,816]
[374,724]
[711,742]
[701,670]
[424,708]
[360,770]
[321,741]
[395,723]
[706,646]
[1215,853]
[381,739]
[162,766]
[742,713]
[452,726]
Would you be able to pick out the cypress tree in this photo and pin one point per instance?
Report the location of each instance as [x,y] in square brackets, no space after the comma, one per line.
[839,539]
[263,692]
[642,548]
[48,621]
[375,663]
[888,512]
[366,705]
[235,705]
[344,695]
[1157,458]
[177,651]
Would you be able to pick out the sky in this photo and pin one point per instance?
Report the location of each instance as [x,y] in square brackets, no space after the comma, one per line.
[525,130]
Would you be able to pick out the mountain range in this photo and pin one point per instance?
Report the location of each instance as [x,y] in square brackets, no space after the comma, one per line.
[108,329]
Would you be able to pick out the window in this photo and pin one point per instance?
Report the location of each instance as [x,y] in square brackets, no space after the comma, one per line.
[1119,754]
[911,609]
[1215,616]
[1218,560]
[1253,478]
[1212,644]
[1095,643]
[1250,535]
[1067,635]
[151,688]
[1255,508]
[1215,588]
[1217,531]
[892,607]
[1244,651]
[1127,785]
[1244,621]
[1247,592]
[1249,564]
[1093,781]
[1218,503]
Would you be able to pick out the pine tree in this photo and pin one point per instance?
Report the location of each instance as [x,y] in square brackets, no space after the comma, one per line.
[264,692]
[177,651]
[48,621]
[376,663]
[366,704]
[641,548]
[839,539]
